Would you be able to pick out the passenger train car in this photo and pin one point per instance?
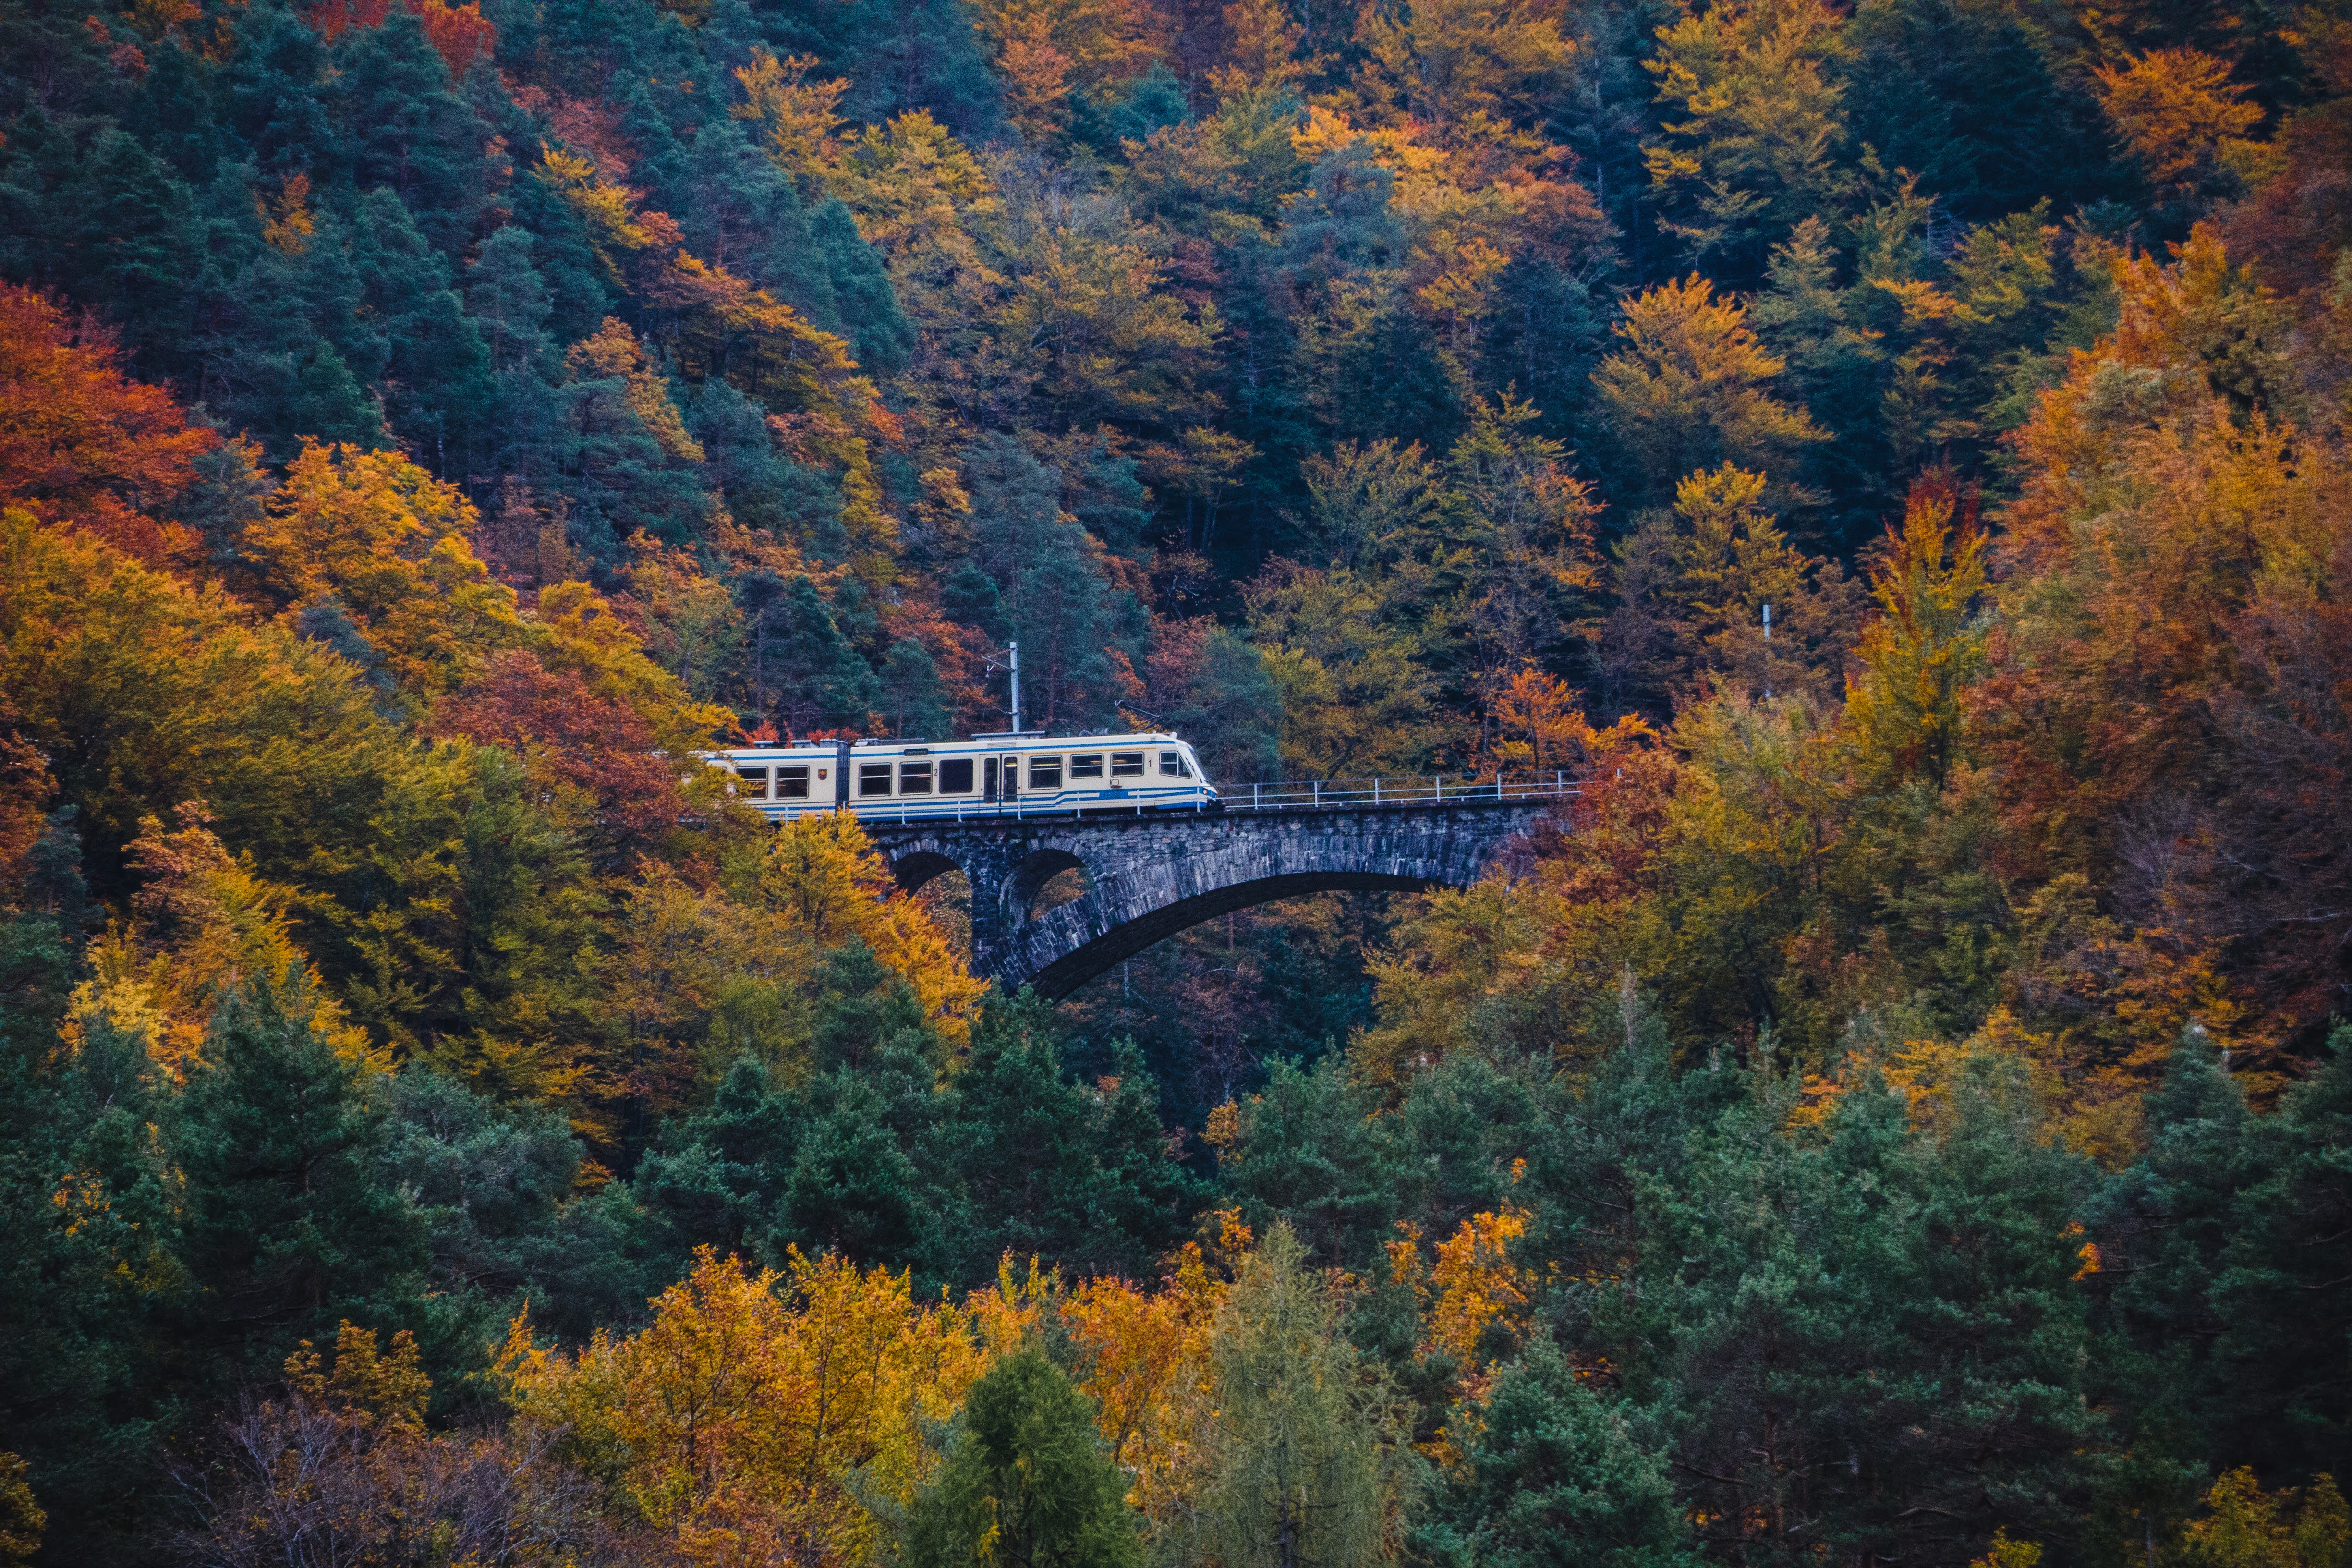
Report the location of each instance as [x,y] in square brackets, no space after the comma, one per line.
[988,776]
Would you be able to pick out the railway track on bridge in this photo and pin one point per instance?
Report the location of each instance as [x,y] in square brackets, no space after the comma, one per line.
[1407,791]
[1432,789]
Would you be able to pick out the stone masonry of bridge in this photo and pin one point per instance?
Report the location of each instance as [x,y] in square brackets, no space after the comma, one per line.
[1154,876]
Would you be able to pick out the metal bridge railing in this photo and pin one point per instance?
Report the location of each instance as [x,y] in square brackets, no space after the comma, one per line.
[1291,795]
[1420,789]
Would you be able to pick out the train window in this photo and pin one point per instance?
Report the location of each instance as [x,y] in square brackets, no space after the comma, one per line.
[1126,765]
[791,784]
[1172,764]
[873,778]
[1085,768]
[955,775]
[1044,772]
[914,778]
[755,782]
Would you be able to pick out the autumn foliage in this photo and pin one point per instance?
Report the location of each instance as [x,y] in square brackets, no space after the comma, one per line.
[739,1414]
[1885,468]
[460,33]
[82,443]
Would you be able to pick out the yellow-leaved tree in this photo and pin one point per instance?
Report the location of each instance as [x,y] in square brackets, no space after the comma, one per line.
[829,887]
[695,979]
[754,1419]
[796,115]
[581,632]
[1474,1298]
[1919,657]
[2178,112]
[1690,389]
[2246,1528]
[203,923]
[1149,1376]
[22,1518]
[1469,69]
[371,543]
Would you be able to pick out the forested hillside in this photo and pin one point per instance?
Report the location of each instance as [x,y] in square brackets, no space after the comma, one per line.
[1900,1112]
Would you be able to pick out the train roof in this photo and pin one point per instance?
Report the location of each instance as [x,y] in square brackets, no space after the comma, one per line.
[1026,738]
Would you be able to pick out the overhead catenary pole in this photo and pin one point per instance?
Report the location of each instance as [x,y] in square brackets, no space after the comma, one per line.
[1014,649]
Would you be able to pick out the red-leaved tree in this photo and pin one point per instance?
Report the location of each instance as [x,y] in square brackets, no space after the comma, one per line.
[80,442]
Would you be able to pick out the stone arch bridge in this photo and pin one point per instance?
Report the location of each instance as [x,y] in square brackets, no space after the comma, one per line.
[1151,876]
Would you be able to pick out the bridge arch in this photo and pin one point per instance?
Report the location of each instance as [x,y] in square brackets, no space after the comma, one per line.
[1097,949]
[913,868]
[1152,876]
[1149,887]
[1030,874]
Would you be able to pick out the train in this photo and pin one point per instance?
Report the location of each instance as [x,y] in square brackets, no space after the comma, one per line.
[1014,775]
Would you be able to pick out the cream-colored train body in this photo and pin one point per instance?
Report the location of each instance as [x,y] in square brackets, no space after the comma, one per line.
[988,776]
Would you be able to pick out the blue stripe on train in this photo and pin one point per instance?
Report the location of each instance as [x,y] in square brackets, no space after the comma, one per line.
[893,808]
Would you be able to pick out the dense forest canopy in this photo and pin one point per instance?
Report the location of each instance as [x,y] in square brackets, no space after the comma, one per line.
[1893,452]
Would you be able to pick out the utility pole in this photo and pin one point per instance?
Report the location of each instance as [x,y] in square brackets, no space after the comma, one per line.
[1767,663]
[1013,652]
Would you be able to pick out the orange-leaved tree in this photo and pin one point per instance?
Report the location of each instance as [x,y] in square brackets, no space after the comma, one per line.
[1510,961]
[82,443]
[459,34]
[597,756]
[2167,705]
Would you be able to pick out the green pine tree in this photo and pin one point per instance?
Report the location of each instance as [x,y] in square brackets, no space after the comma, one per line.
[289,1229]
[435,371]
[1027,1484]
[912,698]
[408,131]
[823,682]
[1306,1155]
[1026,1162]
[717,1176]
[1069,620]
[852,1188]
[1556,1479]
[2286,1374]
[89,1257]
